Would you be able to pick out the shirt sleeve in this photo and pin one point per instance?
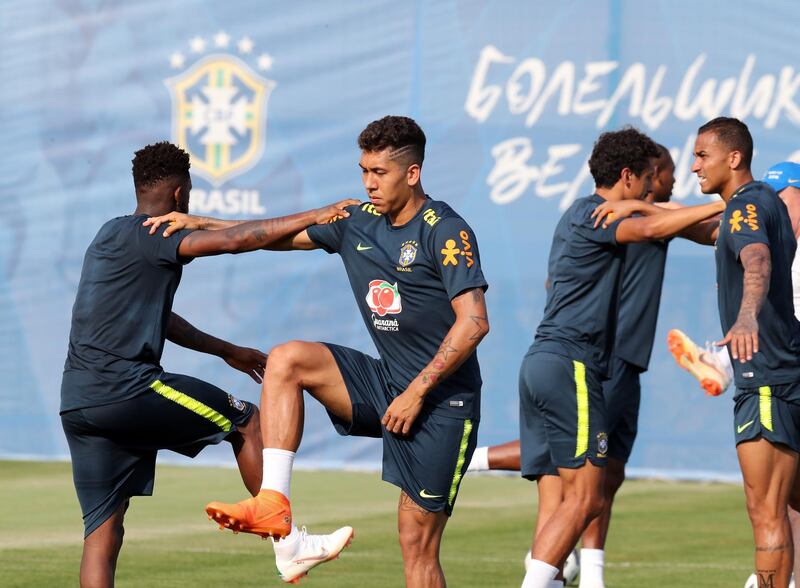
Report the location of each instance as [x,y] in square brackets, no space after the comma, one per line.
[455,250]
[583,224]
[329,236]
[163,251]
[745,220]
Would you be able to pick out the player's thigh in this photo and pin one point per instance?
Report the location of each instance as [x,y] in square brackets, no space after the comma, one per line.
[314,367]
[768,471]
[418,527]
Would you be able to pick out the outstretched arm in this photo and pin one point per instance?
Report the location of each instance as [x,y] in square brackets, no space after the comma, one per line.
[471,325]
[666,224]
[214,236]
[245,359]
[743,335]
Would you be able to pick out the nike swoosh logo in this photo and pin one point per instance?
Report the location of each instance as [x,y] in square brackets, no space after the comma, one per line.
[741,428]
[425,494]
[324,555]
[793,181]
[361,247]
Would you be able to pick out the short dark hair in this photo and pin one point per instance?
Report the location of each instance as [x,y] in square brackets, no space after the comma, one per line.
[615,150]
[732,133]
[663,152]
[394,132]
[157,162]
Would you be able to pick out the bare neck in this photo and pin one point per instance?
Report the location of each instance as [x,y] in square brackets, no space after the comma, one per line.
[409,209]
[736,181]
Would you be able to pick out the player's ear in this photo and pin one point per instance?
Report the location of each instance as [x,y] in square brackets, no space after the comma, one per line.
[626,175]
[734,159]
[412,174]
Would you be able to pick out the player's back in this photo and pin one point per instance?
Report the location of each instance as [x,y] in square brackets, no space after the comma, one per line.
[121,311]
[584,271]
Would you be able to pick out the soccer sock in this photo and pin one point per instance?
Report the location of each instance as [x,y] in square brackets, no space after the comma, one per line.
[277,470]
[480,460]
[725,361]
[555,584]
[287,547]
[592,562]
[539,575]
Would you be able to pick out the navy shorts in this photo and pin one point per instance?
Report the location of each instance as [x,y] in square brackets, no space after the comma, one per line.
[622,394]
[771,412]
[427,464]
[562,415]
[114,446]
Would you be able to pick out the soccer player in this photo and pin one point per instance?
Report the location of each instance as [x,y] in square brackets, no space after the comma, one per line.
[784,178]
[563,420]
[415,271]
[118,405]
[754,252]
[640,295]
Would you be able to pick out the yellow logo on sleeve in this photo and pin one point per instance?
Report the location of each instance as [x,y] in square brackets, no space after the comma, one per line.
[450,251]
[738,219]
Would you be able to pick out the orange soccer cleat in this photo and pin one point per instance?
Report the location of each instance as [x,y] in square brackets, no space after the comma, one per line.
[267,514]
[701,363]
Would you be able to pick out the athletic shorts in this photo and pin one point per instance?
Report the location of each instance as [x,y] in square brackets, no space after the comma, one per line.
[114,446]
[767,412]
[562,415]
[622,394]
[429,462]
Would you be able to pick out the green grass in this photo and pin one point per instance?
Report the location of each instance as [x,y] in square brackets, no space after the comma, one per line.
[662,534]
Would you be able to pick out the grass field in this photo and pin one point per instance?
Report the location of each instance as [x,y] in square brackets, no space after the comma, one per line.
[663,534]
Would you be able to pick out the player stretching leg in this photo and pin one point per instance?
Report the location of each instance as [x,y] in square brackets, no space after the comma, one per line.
[563,427]
[118,405]
[415,272]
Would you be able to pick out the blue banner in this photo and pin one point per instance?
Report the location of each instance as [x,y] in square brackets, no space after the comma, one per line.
[269,97]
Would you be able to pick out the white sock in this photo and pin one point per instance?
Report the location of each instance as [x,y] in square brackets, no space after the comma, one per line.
[480,460]
[277,470]
[287,546]
[592,562]
[725,361]
[555,584]
[539,575]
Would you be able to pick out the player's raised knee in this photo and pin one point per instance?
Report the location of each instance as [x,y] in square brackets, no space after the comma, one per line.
[285,359]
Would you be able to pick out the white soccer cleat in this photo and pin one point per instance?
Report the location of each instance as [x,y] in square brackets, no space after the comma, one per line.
[703,364]
[572,567]
[311,551]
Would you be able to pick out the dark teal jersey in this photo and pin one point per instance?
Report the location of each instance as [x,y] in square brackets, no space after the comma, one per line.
[755,214]
[584,273]
[640,296]
[404,279]
[121,313]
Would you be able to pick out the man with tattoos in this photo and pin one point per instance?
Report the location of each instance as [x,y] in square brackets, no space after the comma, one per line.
[415,271]
[754,253]
[118,405]
[563,415]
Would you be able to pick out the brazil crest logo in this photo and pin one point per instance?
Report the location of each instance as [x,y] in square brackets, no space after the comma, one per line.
[219,109]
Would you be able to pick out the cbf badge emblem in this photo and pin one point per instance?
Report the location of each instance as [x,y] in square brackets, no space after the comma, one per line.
[408,253]
[219,113]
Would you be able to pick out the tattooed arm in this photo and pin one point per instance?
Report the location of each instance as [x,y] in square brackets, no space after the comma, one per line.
[247,360]
[471,325]
[743,335]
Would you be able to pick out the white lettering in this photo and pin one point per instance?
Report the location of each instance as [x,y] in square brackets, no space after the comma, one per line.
[482,100]
[788,84]
[633,81]
[227,202]
[588,85]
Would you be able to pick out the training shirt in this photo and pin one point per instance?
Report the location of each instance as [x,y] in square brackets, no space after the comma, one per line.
[755,214]
[121,312]
[403,279]
[585,271]
[639,299]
